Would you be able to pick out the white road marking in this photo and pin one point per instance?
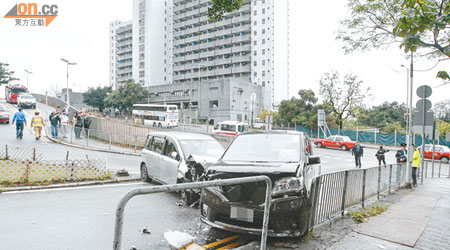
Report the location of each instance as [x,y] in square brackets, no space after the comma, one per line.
[76,188]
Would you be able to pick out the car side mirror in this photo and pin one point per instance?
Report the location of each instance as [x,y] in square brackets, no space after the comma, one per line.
[175,155]
[314,160]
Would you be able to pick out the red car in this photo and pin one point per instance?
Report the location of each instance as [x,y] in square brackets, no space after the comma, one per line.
[441,152]
[335,141]
[4,114]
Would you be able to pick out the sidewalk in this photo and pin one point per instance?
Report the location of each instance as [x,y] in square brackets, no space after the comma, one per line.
[419,220]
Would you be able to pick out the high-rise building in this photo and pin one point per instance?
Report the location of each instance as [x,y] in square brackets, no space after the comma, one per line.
[120,47]
[175,43]
[250,43]
[152,40]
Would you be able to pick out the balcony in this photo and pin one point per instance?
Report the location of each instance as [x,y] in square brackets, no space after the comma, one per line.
[192,57]
[206,45]
[178,25]
[223,51]
[179,77]
[239,19]
[241,48]
[192,4]
[243,38]
[179,67]
[207,35]
[192,39]
[192,21]
[179,42]
[208,54]
[223,41]
[237,59]
[178,59]
[222,71]
[222,61]
[223,32]
[241,69]
[179,33]
[241,29]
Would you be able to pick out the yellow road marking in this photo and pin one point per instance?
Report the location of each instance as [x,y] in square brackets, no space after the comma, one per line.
[220,242]
[232,245]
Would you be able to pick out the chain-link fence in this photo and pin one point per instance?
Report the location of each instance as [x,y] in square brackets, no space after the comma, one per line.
[32,165]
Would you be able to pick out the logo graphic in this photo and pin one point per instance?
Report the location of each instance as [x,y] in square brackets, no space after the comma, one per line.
[28,14]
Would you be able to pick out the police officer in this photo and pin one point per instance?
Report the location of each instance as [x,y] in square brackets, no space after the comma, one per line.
[401,154]
[37,122]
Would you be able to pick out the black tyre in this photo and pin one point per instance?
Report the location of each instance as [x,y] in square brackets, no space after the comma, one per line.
[319,145]
[154,124]
[444,159]
[144,173]
[344,148]
[159,125]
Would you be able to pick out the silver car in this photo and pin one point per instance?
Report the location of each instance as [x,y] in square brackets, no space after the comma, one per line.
[166,156]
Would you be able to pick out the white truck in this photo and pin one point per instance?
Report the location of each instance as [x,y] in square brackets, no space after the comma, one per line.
[26,100]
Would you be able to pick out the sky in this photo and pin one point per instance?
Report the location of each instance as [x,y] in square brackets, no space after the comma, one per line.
[80,34]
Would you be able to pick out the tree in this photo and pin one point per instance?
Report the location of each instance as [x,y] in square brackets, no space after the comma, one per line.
[414,24]
[343,98]
[300,110]
[220,7]
[125,96]
[384,116]
[95,97]
[442,110]
[5,74]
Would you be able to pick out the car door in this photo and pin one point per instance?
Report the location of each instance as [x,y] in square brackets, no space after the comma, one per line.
[328,142]
[153,157]
[428,152]
[169,162]
[338,142]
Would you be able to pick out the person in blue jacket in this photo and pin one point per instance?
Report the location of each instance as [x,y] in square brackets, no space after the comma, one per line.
[19,119]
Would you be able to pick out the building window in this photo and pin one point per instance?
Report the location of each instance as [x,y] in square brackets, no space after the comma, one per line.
[255,74]
[255,23]
[255,12]
[255,63]
[264,11]
[264,31]
[263,41]
[254,43]
[255,33]
[255,53]
[264,73]
[263,62]
[263,51]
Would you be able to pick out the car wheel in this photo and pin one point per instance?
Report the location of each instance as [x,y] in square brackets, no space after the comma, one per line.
[319,145]
[154,124]
[144,173]
[343,147]
[159,125]
[444,159]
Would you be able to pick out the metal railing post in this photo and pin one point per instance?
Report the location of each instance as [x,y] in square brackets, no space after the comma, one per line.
[71,133]
[426,169]
[87,136]
[135,143]
[439,169]
[315,200]
[364,186]
[379,182]
[109,134]
[344,194]
[117,243]
[390,178]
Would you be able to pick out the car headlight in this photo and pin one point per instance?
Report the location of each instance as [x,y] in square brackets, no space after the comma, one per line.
[287,186]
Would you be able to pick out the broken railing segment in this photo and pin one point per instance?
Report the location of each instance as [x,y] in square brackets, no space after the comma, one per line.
[194,185]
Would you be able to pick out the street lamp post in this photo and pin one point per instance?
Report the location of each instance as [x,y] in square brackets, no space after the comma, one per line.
[409,71]
[199,65]
[28,72]
[67,86]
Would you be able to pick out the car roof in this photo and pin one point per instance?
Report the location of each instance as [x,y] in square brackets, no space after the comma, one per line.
[291,132]
[232,123]
[183,135]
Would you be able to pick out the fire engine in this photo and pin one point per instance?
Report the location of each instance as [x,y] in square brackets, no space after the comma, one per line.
[12,91]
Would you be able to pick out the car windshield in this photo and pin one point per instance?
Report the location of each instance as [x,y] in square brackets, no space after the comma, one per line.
[202,147]
[26,97]
[445,148]
[264,148]
[346,138]
[2,108]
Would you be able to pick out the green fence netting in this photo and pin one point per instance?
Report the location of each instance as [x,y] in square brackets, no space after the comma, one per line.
[394,139]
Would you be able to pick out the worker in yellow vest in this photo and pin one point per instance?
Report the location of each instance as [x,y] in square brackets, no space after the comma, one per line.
[37,122]
[416,162]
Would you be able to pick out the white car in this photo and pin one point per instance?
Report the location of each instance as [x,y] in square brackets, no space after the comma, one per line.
[26,101]
[167,156]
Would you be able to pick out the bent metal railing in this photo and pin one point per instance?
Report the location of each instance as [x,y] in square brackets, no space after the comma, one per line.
[179,187]
[335,192]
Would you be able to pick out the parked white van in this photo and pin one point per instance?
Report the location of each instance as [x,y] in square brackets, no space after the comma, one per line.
[230,128]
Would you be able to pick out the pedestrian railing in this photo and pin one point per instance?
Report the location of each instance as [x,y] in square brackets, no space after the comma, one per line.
[195,185]
[334,192]
[436,168]
[32,165]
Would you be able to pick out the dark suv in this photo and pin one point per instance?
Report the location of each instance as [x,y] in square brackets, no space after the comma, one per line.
[286,158]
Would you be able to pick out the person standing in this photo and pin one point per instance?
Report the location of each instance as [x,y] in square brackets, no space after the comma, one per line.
[37,123]
[19,118]
[64,124]
[78,124]
[87,124]
[358,152]
[380,155]
[415,164]
[54,122]
[401,154]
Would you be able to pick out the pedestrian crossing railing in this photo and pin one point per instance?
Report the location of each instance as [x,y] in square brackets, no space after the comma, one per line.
[435,169]
[33,166]
[333,193]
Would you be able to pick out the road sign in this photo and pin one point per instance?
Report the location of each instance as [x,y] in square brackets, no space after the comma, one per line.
[447,136]
[424,91]
[418,119]
[428,131]
[321,117]
[419,105]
